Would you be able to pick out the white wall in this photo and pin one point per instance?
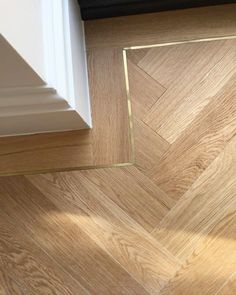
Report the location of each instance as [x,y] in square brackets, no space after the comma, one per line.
[21,25]
[14,71]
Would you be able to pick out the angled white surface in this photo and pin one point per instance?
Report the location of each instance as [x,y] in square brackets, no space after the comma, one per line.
[15,72]
[21,25]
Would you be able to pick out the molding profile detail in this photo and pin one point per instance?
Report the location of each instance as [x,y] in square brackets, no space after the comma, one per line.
[55,98]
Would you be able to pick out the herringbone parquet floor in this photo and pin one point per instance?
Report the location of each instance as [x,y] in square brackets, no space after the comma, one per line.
[166,225]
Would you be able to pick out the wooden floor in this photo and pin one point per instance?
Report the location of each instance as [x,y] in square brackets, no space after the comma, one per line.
[165,225]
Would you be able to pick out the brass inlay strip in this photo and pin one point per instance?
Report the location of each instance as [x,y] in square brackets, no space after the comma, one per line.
[181,42]
[130,115]
[129,104]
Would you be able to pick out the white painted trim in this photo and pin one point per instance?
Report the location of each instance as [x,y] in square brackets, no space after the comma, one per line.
[27,110]
[58,27]
[40,122]
[56,45]
[18,96]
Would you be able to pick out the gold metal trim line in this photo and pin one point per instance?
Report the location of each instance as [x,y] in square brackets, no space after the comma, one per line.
[230,37]
[129,106]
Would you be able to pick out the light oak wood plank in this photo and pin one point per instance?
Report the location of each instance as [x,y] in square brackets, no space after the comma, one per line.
[202,142]
[141,200]
[209,200]
[144,90]
[8,286]
[26,143]
[149,146]
[112,229]
[146,29]
[171,65]
[181,68]
[110,110]
[215,80]
[64,240]
[30,265]
[193,73]
[149,186]
[229,287]
[21,154]
[211,263]
[136,55]
[49,160]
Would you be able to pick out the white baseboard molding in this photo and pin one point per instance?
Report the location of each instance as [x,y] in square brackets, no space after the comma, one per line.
[41,122]
[56,99]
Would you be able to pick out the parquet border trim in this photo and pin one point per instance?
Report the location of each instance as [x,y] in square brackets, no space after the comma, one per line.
[129,106]
[227,37]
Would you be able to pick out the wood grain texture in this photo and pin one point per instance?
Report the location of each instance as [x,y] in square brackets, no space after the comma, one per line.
[110,111]
[229,287]
[134,193]
[215,260]
[193,74]
[149,146]
[162,27]
[170,65]
[144,90]
[113,230]
[25,261]
[64,240]
[8,286]
[195,149]
[209,200]
[136,55]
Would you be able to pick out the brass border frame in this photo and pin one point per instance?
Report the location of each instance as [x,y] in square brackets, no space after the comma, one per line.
[129,105]
[229,37]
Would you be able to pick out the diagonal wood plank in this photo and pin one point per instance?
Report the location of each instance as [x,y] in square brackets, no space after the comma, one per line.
[133,193]
[229,287]
[30,265]
[9,286]
[144,90]
[136,55]
[193,73]
[210,199]
[64,240]
[149,146]
[113,230]
[199,94]
[170,65]
[211,263]
[204,139]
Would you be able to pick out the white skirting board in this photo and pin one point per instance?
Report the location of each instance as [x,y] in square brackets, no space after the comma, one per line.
[52,96]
